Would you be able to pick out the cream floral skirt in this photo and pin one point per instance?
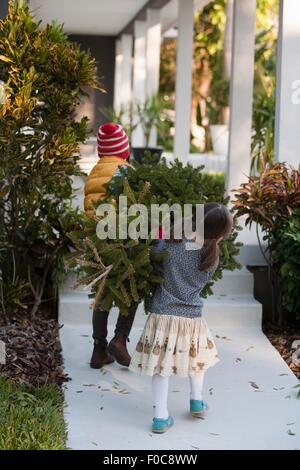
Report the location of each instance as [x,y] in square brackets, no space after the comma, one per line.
[173,345]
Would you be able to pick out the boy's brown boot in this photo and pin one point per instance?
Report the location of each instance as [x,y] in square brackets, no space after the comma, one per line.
[100,356]
[118,349]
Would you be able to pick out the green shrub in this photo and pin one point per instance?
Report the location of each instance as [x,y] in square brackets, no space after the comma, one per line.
[44,76]
[285,247]
[272,200]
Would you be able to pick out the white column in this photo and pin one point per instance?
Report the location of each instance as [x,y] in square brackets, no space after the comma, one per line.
[241,92]
[126,84]
[183,89]
[118,75]
[139,76]
[228,38]
[288,84]
[123,72]
[153,59]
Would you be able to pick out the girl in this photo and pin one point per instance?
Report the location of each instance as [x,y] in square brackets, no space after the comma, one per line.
[176,339]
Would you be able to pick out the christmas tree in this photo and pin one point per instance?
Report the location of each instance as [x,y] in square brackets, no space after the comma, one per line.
[182,184]
[122,272]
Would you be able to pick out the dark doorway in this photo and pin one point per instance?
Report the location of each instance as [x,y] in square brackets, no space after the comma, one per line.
[103,49]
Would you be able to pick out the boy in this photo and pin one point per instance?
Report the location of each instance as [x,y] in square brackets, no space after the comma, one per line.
[113,151]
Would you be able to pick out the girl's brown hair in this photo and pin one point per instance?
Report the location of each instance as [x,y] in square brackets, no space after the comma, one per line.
[217,224]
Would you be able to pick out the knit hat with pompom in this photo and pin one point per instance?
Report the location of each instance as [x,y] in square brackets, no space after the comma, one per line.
[112,140]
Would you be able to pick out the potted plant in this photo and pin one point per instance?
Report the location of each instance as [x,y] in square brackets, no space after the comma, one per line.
[272,201]
[151,115]
[123,116]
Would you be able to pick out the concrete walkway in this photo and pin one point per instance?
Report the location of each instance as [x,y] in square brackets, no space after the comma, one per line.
[252,401]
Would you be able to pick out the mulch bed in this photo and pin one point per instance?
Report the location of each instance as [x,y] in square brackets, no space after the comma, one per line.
[282,339]
[33,352]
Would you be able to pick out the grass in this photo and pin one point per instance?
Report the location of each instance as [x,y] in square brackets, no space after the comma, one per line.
[31,418]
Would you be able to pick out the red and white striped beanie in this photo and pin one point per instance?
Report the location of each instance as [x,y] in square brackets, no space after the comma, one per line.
[112,140]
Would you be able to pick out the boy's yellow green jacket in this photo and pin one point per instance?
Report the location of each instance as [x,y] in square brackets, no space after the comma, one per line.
[101,174]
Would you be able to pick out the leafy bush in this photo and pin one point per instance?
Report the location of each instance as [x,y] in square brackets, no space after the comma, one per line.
[44,76]
[272,200]
[285,247]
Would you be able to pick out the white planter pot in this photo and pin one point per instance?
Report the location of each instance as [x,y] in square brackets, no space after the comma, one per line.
[220,137]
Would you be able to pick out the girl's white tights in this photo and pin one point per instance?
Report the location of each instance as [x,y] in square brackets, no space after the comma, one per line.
[160,386]
[196,386]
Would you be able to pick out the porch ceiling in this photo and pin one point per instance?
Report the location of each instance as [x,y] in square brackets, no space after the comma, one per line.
[104,17]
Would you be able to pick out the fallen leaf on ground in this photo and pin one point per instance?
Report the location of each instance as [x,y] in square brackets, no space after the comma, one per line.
[33,352]
[223,337]
[283,339]
[254,385]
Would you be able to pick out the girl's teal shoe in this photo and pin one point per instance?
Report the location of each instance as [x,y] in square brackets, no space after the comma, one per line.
[160,426]
[197,407]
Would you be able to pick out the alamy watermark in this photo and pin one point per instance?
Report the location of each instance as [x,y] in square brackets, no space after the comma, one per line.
[136,223]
